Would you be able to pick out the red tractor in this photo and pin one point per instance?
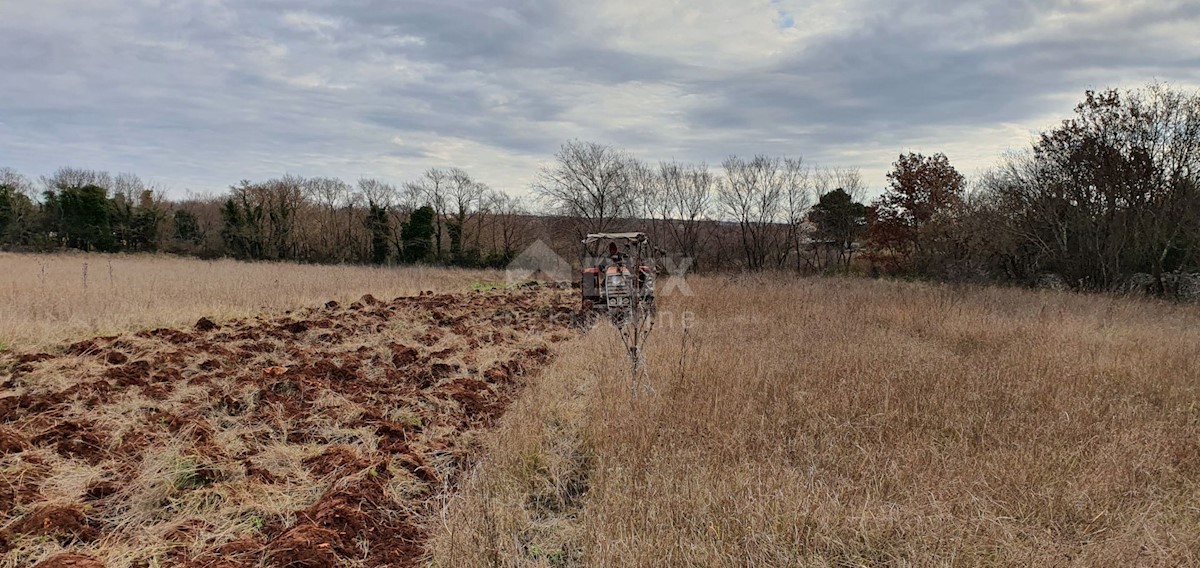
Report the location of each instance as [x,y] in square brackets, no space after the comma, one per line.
[621,283]
[618,273]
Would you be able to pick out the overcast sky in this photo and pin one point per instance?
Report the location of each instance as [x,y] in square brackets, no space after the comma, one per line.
[196,95]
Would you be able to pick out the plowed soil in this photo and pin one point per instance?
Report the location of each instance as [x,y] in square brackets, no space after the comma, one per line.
[323,437]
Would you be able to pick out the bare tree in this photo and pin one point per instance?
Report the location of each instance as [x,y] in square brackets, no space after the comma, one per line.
[136,211]
[681,202]
[849,180]
[126,185]
[754,195]
[280,200]
[330,196]
[16,206]
[381,234]
[464,197]
[433,188]
[510,223]
[797,199]
[590,183]
[355,236]
[406,200]
[16,182]
[645,185]
[376,192]
[65,178]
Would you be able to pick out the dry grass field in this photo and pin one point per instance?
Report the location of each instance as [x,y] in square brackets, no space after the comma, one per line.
[52,298]
[854,423]
[814,422]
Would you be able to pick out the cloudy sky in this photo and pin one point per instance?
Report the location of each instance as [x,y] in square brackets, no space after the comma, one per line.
[196,95]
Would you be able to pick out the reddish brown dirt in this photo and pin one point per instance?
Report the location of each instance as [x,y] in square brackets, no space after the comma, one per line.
[59,521]
[75,440]
[336,459]
[34,357]
[69,560]
[100,489]
[11,441]
[205,324]
[414,374]
[306,545]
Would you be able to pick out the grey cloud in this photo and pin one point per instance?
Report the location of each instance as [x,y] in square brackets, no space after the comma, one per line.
[201,95]
[881,82]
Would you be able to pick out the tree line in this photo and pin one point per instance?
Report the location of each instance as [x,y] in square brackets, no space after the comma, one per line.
[1109,200]
[445,216]
[1105,199]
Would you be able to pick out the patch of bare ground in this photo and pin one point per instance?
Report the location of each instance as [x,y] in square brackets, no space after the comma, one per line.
[317,437]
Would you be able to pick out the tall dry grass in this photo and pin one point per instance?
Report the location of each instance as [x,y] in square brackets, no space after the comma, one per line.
[854,423]
[46,299]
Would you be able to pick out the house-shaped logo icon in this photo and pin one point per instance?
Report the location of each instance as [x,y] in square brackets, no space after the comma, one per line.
[538,262]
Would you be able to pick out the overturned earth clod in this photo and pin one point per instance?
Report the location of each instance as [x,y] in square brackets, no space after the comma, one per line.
[321,437]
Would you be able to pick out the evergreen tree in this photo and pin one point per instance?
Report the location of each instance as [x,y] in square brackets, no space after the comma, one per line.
[380,227]
[8,211]
[242,228]
[147,223]
[417,235]
[455,231]
[187,227]
[232,229]
[17,214]
[80,217]
[839,221]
